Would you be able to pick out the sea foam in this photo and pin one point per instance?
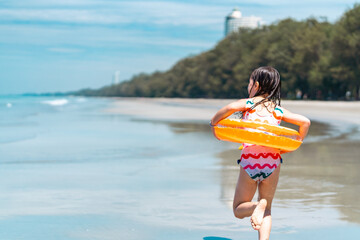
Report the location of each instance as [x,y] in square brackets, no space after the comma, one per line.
[56,102]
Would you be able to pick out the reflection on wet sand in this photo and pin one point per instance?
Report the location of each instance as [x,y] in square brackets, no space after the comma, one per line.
[318,175]
[188,127]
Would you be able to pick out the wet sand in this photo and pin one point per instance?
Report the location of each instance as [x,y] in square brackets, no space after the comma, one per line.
[319,185]
[153,170]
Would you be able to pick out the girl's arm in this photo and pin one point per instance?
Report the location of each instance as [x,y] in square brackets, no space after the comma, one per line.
[227,111]
[297,119]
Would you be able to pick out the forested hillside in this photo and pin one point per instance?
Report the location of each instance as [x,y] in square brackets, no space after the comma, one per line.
[316,59]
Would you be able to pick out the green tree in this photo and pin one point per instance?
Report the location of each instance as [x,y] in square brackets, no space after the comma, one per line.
[346,52]
[319,58]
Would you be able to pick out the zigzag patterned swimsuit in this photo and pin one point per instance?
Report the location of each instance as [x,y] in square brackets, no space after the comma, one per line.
[259,161]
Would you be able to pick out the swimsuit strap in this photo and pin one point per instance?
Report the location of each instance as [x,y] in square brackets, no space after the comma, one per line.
[278,112]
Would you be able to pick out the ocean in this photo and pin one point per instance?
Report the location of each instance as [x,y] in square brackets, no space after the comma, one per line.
[69,169]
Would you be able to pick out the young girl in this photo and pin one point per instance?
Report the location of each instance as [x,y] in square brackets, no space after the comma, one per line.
[260,166]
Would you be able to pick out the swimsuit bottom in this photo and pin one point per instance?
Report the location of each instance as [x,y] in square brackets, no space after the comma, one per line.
[259,162]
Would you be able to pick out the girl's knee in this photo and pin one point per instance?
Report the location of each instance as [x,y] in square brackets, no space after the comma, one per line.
[237,215]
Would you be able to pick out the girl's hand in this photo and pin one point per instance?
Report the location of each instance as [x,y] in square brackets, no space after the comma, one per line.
[229,109]
[213,132]
[226,111]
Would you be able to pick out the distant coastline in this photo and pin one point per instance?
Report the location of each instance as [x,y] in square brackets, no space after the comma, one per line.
[316,60]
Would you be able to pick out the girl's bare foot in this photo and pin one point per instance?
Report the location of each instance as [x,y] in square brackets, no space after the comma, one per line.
[258,214]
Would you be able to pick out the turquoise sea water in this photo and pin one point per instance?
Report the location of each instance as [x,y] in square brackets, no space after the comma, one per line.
[70,170]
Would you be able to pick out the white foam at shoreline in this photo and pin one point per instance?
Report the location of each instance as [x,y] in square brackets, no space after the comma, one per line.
[56,102]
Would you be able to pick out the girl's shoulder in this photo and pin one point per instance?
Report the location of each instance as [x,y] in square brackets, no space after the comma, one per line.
[279,109]
[278,112]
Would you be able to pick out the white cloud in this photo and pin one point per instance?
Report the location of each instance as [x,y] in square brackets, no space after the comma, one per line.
[286,2]
[207,14]
[177,13]
[51,3]
[65,50]
[60,15]
[92,37]
[152,12]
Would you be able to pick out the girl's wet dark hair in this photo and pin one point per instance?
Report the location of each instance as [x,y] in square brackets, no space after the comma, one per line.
[269,83]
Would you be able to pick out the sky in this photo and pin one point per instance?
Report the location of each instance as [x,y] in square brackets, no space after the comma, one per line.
[65,45]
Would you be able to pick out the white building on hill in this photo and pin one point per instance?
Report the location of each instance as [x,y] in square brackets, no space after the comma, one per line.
[235,20]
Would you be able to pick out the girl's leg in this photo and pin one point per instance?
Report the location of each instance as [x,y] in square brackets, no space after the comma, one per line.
[267,190]
[244,193]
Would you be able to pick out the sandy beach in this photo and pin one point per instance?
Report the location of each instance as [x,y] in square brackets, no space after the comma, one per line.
[143,169]
[177,109]
[317,183]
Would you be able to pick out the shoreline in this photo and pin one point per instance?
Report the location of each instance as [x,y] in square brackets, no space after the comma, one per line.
[201,110]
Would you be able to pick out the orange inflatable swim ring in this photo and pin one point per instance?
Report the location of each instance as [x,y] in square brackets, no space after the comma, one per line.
[258,133]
